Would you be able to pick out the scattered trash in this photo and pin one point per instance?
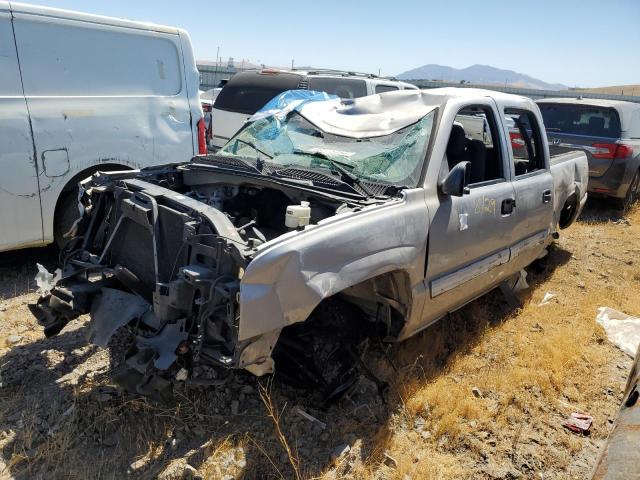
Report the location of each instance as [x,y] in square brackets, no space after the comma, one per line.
[13,339]
[476,392]
[45,280]
[182,375]
[547,298]
[578,422]
[622,221]
[622,330]
[340,451]
[310,417]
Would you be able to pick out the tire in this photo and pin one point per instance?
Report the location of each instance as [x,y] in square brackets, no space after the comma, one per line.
[66,214]
[568,212]
[632,194]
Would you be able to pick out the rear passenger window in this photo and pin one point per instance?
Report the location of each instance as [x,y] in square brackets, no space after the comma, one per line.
[341,87]
[526,144]
[386,88]
[77,59]
[581,120]
[474,138]
[248,92]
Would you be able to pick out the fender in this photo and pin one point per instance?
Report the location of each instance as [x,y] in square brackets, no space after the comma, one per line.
[291,276]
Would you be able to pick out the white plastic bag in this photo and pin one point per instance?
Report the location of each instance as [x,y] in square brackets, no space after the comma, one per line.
[622,330]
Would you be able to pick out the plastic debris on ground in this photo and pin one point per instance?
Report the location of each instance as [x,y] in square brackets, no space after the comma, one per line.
[311,418]
[578,422]
[45,280]
[547,298]
[622,330]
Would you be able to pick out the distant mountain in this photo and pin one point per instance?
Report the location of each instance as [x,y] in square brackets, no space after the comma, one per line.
[483,74]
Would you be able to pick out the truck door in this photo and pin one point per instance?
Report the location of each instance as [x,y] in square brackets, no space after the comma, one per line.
[470,236]
[20,216]
[533,185]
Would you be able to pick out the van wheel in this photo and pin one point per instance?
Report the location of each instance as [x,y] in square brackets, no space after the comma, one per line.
[632,194]
[66,214]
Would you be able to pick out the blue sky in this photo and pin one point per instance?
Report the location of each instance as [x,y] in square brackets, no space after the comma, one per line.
[584,43]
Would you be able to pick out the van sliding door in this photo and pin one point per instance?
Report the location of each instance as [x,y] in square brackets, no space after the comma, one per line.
[20,216]
[100,96]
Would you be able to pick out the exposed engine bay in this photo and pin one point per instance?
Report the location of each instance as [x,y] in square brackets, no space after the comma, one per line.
[199,228]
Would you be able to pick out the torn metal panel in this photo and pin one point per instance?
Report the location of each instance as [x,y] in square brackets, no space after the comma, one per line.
[370,116]
[111,310]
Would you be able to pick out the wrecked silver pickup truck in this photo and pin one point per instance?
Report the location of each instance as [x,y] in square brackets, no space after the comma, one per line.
[405,205]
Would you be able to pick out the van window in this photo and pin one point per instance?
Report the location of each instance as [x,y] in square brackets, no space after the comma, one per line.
[248,92]
[9,72]
[526,143]
[341,87]
[76,59]
[385,88]
[581,120]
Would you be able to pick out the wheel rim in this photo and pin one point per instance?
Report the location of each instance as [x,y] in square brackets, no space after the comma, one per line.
[633,190]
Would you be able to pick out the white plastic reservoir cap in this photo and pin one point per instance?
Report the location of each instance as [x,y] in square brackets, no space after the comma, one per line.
[298,215]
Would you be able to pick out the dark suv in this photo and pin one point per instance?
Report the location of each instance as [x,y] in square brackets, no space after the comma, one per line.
[608,131]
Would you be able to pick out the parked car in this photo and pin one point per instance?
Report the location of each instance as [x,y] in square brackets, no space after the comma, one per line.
[81,93]
[246,92]
[382,204]
[608,131]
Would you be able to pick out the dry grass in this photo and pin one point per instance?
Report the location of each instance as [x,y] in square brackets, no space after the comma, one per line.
[274,413]
[530,365]
[533,366]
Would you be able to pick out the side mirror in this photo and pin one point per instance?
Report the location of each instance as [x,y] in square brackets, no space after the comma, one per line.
[456,181]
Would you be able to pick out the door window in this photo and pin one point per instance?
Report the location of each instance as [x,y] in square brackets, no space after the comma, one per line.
[526,143]
[79,59]
[341,87]
[385,88]
[474,138]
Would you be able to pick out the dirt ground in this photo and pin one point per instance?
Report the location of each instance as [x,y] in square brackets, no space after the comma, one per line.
[481,394]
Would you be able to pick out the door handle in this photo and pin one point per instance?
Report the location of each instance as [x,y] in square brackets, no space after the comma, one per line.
[508,204]
[546,196]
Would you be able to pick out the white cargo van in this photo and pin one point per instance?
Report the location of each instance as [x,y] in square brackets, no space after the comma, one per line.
[81,93]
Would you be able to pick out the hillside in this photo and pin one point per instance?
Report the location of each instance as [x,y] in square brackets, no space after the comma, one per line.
[632,90]
[483,74]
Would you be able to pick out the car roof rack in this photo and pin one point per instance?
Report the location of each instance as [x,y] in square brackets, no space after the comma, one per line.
[340,73]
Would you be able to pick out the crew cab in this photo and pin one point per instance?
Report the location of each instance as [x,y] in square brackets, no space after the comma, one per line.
[383,201]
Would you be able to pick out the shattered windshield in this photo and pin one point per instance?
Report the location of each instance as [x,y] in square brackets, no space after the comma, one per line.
[292,140]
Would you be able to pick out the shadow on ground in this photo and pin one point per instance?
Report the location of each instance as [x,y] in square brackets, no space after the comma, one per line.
[61,417]
[18,269]
[601,210]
